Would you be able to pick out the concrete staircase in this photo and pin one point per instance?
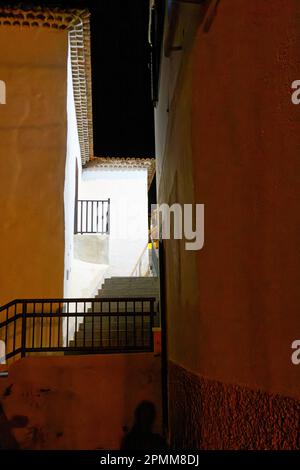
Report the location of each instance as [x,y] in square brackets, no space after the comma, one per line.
[117,331]
[129,287]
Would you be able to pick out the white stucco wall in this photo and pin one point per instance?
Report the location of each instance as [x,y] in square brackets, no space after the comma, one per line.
[127,190]
[73,154]
[81,279]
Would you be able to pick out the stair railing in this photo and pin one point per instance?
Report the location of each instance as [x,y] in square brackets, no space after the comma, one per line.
[141,267]
[77,326]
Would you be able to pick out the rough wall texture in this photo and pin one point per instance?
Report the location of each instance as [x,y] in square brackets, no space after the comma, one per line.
[211,415]
[230,127]
[32,162]
[75,402]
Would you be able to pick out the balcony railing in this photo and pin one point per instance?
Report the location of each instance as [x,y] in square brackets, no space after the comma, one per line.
[92,216]
[77,326]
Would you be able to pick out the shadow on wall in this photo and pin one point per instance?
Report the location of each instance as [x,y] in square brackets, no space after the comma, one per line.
[141,435]
[7,440]
[207,13]
[212,15]
[76,402]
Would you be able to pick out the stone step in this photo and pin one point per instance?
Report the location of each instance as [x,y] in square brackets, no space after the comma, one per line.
[137,283]
[129,286]
[113,325]
[123,331]
[104,308]
[111,297]
[131,282]
[112,344]
[133,285]
[120,292]
[131,279]
[114,321]
[98,330]
[114,335]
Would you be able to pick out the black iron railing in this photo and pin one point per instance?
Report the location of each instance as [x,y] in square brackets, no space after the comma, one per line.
[92,216]
[77,326]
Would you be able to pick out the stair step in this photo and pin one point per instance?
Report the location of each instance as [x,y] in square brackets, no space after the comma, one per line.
[114,331]
[102,308]
[114,321]
[149,291]
[112,344]
[134,285]
[131,279]
[122,337]
[131,283]
[115,295]
[134,282]
[97,329]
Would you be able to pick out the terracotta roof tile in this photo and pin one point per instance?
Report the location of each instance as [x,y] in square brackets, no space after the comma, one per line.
[77,23]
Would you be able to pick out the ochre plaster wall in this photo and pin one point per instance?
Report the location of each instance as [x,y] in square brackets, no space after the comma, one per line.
[233,311]
[76,402]
[33,63]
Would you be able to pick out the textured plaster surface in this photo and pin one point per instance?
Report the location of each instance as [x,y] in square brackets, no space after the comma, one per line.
[75,402]
[32,162]
[232,143]
[207,414]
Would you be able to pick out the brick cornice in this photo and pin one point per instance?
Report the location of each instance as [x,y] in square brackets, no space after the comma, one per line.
[77,24]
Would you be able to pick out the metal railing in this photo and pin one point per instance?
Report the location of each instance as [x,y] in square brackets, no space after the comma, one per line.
[92,216]
[141,267]
[147,264]
[77,326]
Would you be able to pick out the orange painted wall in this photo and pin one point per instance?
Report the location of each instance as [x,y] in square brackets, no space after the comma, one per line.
[76,402]
[33,63]
[230,127]
[245,141]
